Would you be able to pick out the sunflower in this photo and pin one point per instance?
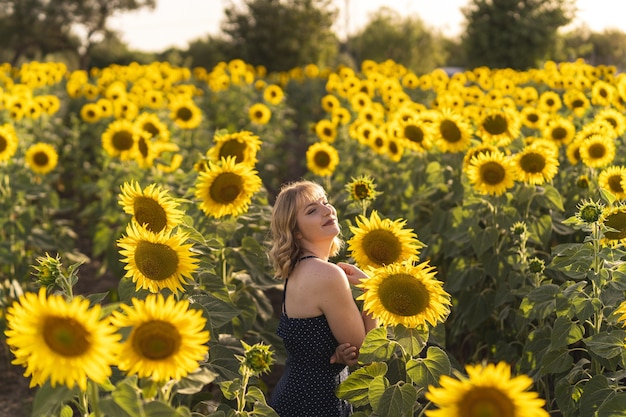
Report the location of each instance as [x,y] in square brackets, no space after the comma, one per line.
[120,139]
[577,101]
[340,116]
[226,188]
[362,189]
[559,129]
[499,127]
[602,93]
[8,142]
[185,114]
[532,118]
[167,338]
[614,220]
[152,126]
[621,311]
[242,145]
[416,134]
[259,114]
[491,173]
[535,166]
[322,159]
[612,180]
[151,207]
[273,94]
[378,242]
[405,294]
[549,102]
[452,133]
[615,118]
[597,151]
[63,342]
[91,112]
[475,151]
[41,158]
[488,391]
[326,130]
[156,261]
[330,102]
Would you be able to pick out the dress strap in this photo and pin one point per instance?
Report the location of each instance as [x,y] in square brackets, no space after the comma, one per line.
[284,294]
[306,257]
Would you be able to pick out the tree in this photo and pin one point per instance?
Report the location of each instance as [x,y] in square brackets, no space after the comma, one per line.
[406,41]
[513,33]
[282,35]
[35,28]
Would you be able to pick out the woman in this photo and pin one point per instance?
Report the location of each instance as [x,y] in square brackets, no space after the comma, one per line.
[321,325]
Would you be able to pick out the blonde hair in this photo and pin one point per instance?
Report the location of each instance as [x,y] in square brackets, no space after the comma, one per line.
[285,250]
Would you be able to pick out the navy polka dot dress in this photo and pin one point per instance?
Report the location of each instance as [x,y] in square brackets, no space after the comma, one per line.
[307,386]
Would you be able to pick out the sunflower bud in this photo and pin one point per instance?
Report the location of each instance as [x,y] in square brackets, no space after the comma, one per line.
[519,228]
[257,358]
[582,182]
[536,265]
[589,211]
[48,271]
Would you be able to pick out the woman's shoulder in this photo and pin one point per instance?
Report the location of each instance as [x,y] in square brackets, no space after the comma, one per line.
[327,273]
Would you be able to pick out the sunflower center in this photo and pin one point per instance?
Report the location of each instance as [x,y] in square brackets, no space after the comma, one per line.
[65,336]
[41,159]
[559,133]
[184,114]
[155,260]
[615,183]
[361,192]
[402,295]
[414,133]
[450,131]
[142,145]
[226,188]
[578,104]
[492,173]
[258,115]
[616,221]
[149,212]
[487,402]
[597,151]
[322,159]
[233,148]
[382,247]
[156,340]
[4,143]
[532,117]
[532,162]
[150,128]
[393,148]
[122,140]
[495,124]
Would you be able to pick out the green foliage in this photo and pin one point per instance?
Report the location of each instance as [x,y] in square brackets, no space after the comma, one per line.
[511,33]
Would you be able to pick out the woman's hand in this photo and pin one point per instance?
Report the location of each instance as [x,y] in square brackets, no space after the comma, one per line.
[345,354]
[353,273]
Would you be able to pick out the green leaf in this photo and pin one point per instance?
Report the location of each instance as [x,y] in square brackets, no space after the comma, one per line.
[595,393]
[556,361]
[48,401]
[263,410]
[398,400]
[376,390]
[540,302]
[230,388]
[412,340]
[376,346]
[606,345]
[550,198]
[127,398]
[425,372]
[356,387]
[254,394]
[573,259]
[613,407]
[160,409]
[565,332]
[218,311]
[195,381]
[483,240]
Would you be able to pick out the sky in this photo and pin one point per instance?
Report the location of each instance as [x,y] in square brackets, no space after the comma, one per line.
[176,22]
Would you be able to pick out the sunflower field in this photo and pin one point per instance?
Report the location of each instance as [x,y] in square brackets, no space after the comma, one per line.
[488,208]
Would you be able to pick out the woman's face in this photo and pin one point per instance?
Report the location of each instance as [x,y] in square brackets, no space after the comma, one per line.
[317,220]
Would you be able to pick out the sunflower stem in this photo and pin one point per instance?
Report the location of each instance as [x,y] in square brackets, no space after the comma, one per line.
[241,395]
[92,398]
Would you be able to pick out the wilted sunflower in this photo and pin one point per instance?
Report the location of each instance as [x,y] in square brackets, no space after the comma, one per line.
[156,261]
[597,151]
[614,220]
[120,139]
[259,114]
[612,180]
[185,114]
[326,130]
[273,94]
[226,188]
[488,391]
[535,166]
[405,294]
[63,342]
[8,142]
[243,146]
[322,159]
[378,242]
[151,207]
[41,158]
[491,173]
[167,339]
[451,132]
